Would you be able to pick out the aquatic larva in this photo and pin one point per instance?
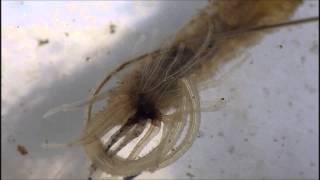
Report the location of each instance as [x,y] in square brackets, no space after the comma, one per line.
[160,96]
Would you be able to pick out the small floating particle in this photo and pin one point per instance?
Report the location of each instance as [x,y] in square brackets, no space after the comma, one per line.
[22,150]
[42,42]
[221,134]
[189,175]
[112,28]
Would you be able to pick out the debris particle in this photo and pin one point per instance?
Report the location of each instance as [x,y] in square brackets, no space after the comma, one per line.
[112,28]
[22,150]
[66,34]
[314,48]
[189,175]
[280,46]
[312,164]
[11,139]
[200,134]
[302,59]
[231,149]
[221,134]
[88,59]
[42,42]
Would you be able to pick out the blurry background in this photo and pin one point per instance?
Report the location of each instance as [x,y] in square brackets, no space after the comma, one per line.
[54,52]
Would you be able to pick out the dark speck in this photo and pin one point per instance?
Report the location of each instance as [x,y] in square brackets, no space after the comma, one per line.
[290,104]
[66,34]
[189,166]
[11,139]
[112,28]
[312,164]
[222,99]
[280,46]
[275,140]
[42,42]
[22,150]
[189,175]
[88,59]
[221,134]
[245,139]
[302,59]
[282,144]
[231,149]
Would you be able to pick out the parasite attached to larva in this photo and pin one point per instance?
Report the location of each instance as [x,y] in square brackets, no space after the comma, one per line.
[160,96]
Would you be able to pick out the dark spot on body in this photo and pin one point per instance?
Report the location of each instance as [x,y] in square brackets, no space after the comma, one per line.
[146,108]
[88,59]
[222,99]
[280,46]
[22,150]
[42,42]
